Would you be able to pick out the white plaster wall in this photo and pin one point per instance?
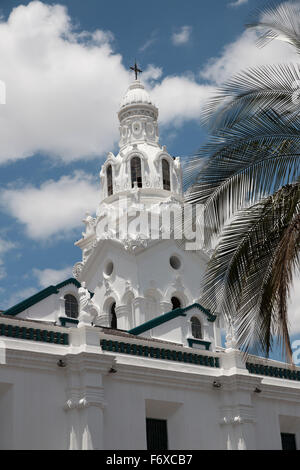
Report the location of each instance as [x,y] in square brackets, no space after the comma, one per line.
[33,415]
[269,413]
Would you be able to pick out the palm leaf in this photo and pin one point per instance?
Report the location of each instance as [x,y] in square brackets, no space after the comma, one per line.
[257,89]
[279,21]
[250,271]
[255,160]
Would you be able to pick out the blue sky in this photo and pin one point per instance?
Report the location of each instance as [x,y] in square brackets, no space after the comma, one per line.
[65,66]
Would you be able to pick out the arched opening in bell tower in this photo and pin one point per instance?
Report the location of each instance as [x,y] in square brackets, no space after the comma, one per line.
[113,316]
[136,172]
[175,303]
[109,179]
[166,174]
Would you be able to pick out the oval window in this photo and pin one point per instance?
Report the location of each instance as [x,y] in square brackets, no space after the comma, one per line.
[175,262]
[109,268]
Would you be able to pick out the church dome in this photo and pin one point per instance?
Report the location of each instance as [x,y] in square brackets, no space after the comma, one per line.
[136,94]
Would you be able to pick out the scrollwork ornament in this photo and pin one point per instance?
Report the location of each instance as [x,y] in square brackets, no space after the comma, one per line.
[77,270]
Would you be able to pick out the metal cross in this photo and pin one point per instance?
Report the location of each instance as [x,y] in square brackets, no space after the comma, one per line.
[136,70]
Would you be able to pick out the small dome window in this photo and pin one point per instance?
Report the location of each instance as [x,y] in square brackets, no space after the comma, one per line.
[196,327]
[175,303]
[71,306]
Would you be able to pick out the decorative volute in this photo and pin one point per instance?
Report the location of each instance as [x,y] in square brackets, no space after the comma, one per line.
[138,116]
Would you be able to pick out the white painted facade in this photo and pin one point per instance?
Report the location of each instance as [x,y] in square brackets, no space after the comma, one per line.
[68,383]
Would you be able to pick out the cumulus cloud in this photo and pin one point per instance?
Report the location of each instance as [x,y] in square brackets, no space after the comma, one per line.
[180,98]
[244,53]
[62,87]
[48,277]
[54,207]
[182,36]
[237,3]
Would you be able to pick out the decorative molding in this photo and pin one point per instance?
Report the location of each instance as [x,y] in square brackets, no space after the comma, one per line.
[237,414]
[159,353]
[131,244]
[88,310]
[276,372]
[65,320]
[87,400]
[77,270]
[34,334]
[90,225]
[192,341]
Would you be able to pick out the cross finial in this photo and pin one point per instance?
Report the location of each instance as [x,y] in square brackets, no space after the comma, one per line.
[136,70]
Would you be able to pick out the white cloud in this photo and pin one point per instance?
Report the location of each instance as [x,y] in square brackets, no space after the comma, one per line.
[18,296]
[182,36]
[153,38]
[180,98]
[294,308]
[5,246]
[237,3]
[63,88]
[244,53]
[151,73]
[48,277]
[54,207]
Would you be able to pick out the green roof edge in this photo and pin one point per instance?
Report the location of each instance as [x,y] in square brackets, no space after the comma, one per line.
[169,316]
[34,299]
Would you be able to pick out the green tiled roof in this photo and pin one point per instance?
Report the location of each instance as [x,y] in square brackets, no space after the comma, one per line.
[169,316]
[34,299]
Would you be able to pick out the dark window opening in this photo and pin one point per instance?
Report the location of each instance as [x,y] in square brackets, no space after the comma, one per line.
[71,306]
[166,175]
[109,177]
[157,434]
[196,327]
[136,172]
[288,441]
[113,316]
[175,303]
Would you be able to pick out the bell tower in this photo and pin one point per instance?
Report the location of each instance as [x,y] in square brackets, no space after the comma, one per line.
[137,274]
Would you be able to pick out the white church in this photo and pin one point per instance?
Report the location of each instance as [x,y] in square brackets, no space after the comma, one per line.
[124,355]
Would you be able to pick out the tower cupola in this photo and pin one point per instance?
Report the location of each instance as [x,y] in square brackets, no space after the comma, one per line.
[138,117]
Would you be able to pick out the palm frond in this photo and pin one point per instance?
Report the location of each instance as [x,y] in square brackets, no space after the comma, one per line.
[243,278]
[279,21]
[258,89]
[242,166]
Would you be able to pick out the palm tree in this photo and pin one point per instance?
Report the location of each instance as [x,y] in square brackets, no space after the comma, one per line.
[247,178]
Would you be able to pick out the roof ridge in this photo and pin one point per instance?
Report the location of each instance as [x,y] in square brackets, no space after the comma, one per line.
[170,316]
[41,295]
